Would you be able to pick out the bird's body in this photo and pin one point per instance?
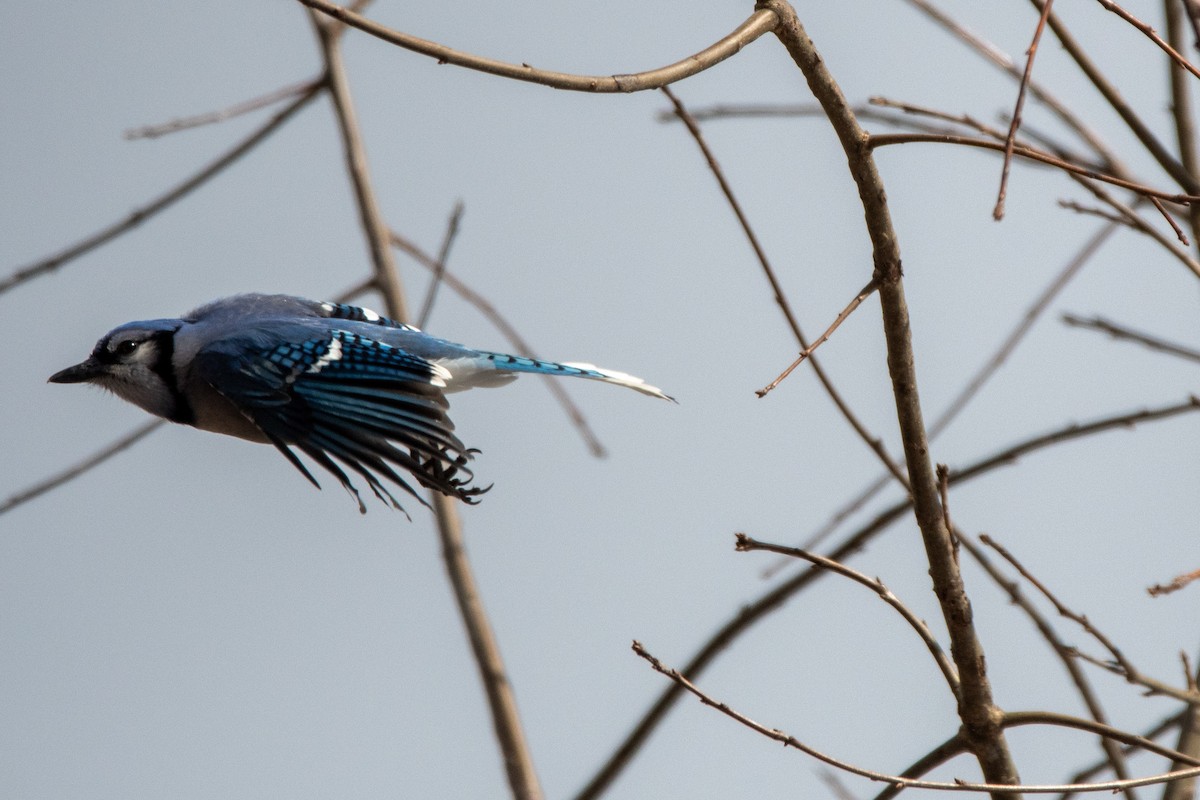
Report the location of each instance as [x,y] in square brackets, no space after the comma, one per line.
[331,380]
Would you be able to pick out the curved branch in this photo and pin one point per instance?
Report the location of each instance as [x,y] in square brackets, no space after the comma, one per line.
[760,22]
[746,544]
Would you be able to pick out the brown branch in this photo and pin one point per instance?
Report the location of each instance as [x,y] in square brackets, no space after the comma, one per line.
[235,110]
[981,377]
[1153,36]
[1159,729]
[976,708]
[87,464]
[1010,140]
[1139,224]
[775,598]
[1066,655]
[1142,131]
[1121,332]
[874,442]
[1000,789]
[746,544]
[863,294]
[1175,585]
[443,254]
[1014,719]
[1124,666]
[1005,62]
[885,139]
[518,763]
[510,333]
[760,22]
[1181,106]
[162,202]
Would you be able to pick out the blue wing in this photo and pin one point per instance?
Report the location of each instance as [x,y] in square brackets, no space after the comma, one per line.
[343,396]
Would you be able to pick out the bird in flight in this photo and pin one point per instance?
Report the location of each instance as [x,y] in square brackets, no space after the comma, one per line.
[337,382]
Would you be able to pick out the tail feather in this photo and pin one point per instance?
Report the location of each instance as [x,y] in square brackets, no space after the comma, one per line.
[507,363]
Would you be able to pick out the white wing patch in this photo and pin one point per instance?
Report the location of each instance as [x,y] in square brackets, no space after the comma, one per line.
[333,354]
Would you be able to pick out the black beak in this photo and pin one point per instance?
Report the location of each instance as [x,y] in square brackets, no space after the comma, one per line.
[80,373]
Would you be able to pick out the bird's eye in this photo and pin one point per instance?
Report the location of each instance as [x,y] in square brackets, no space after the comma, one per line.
[126,347]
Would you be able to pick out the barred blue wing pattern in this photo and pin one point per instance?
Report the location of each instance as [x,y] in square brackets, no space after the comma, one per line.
[369,405]
[359,314]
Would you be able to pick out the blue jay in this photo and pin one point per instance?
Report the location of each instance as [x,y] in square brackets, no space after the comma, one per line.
[334,381]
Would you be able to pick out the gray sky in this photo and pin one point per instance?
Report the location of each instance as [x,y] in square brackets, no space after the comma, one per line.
[193,620]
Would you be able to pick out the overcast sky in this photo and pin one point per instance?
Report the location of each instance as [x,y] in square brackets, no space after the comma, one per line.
[194,620]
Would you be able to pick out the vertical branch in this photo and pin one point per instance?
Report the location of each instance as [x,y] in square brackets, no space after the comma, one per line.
[1011,140]
[517,761]
[1181,106]
[979,715]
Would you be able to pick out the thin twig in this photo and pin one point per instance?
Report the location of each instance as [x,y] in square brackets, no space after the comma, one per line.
[235,110]
[87,464]
[1140,129]
[874,442]
[747,544]
[518,762]
[981,377]
[443,254]
[1153,36]
[760,22]
[863,294]
[509,332]
[885,139]
[1010,141]
[999,58]
[1126,667]
[1001,789]
[1121,332]
[1066,656]
[1181,105]
[162,202]
[1141,225]
[1175,585]
[1159,729]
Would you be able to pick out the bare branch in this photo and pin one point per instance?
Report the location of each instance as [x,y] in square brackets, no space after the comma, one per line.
[746,544]
[1175,585]
[1001,789]
[443,255]
[235,110]
[1142,131]
[775,598]
[510,333]
[1126,667]
[1066,655]
[885,139]
[162,202]
[1121,332]
[518,762]
[874,442]
[1150,34]
[760,22]
[977,709]
[863,294]
[87,464]
[996,56]
[1011,140]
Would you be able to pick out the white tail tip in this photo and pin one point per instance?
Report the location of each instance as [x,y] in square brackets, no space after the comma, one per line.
[622,379]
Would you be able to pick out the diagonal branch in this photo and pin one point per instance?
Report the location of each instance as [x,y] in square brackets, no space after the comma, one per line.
[162,202]
[1010,140]
[508,331]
